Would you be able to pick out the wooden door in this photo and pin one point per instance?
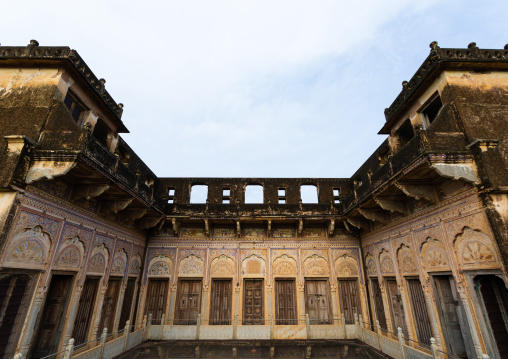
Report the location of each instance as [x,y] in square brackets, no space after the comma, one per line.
[495,299]
[85,310]
[317,301]
[156,298]
[127,303]
[378,303]
[349,299]
[420,313]
[12,290]
[253,302]
[109,306]
[397,307]
[188,304]
[457,334]
[285,302]
[221,302]
[52,317]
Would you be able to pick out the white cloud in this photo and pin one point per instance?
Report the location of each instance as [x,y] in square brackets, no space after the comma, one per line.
[247,88]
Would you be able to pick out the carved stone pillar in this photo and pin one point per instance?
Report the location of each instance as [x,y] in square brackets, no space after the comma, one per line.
[335,304]
[204,306]
[120,305]
[405,306]
[34,313]
[99,311]
[269,302]
[301,301]
[386,303]
[471,321]
[172,299]
[433,316]
[69,324]
[236,300]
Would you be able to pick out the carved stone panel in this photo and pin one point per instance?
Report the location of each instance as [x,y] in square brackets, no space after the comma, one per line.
[285,266]
[315,266]
[434,256]
[475,249]
[29,248]
[346,266]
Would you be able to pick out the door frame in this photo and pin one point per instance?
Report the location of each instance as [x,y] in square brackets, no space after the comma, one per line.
[177,306]
[390,306]
[471,353]
[328,294]
[482,318]
[242,299]
[210,300]
[70,297]
[295,298]
[359,297]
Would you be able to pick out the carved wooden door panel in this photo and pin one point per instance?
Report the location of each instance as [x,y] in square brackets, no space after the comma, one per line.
[378,302]
[420,313]
[127,303]
[52,317]
[85,310]
[189,302]
[12,290]
[349,299]
[450,307]
[285,302]
[109,306]
[395,299]
[220,310]
[495,299]
[156,298]
[317,301]
[253,301]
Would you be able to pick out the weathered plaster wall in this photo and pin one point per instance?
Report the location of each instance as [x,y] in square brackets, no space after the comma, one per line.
[49,235]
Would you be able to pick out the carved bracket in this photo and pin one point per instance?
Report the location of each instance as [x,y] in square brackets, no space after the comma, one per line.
[114,206]
[456,171]
[391,205]
[331,227]
[88,191]
[374,215]
[48,170]
[419,191]
[358,223]
[148,222]
[176,226]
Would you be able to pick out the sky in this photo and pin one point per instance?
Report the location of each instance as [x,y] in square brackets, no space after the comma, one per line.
[254,88]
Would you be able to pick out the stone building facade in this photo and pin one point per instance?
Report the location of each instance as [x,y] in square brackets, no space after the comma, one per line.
[416,239]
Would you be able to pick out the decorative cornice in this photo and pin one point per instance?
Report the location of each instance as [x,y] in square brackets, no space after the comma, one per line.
[35,52]
[438,56]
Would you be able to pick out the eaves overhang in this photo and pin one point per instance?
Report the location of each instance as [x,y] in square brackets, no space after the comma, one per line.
[33,54]
[438,60]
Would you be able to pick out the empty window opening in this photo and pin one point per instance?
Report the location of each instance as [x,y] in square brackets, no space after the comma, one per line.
[254,194]
[74,105]
[199,194]
[281,193]
[171,195]
[101,132]
[405,133]
[226,195]
[431,111]
[336,195]
[308,194]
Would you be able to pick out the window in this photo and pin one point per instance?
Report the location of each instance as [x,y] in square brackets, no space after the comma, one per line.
[431,111]
[199,194]
[281,193]
[254,194]
[101,133]
[336,195]
[226,195]
[309,194]
[74,105]
[405,133]
[171,195]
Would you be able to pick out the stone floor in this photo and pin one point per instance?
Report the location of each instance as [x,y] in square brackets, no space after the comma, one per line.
[254,349]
